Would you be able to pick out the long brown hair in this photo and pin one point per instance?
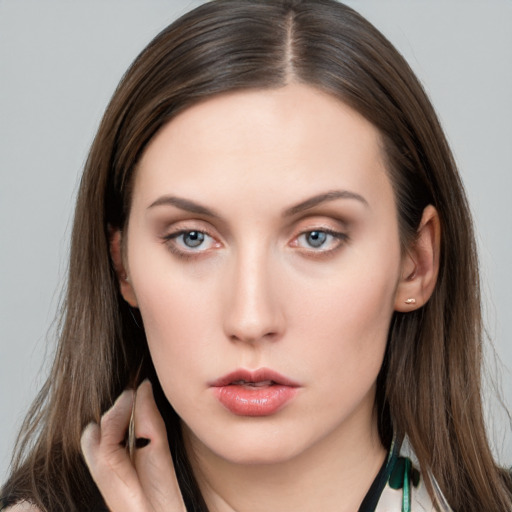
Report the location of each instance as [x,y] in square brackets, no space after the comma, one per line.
[429,385]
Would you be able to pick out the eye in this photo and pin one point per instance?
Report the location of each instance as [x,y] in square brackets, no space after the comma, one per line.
[316,238]
[192,239]
[187,242]
[320,240]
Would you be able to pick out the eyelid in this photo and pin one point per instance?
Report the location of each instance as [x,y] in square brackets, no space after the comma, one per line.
[334,233]
[186,253]
[179,226]
[341,238]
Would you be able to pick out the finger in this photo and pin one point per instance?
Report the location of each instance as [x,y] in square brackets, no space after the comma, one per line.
[89,442]
[154,462]
[113,426]
[108,461]
[114,423]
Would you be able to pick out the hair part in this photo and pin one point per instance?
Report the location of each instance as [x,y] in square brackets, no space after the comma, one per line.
[433,354]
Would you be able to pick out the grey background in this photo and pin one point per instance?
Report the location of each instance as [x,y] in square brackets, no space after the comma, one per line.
[59,64]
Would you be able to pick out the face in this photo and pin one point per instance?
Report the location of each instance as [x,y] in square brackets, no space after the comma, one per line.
[263,252]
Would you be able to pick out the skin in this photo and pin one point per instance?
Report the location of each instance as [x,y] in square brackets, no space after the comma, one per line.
[257,292]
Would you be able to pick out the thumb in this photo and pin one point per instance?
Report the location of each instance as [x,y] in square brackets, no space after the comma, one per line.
[108,462]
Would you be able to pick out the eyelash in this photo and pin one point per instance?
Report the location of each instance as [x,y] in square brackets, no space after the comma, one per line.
[169,240]
[340,237]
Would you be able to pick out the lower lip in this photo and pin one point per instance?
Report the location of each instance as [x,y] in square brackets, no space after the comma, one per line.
[254,401]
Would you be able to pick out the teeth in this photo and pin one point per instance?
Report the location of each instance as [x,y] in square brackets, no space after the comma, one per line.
[260,384]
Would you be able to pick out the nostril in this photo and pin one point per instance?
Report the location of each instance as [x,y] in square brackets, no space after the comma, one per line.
[246,337]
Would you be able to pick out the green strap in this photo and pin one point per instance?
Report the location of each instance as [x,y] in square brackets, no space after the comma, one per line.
[404,476]
[406,491]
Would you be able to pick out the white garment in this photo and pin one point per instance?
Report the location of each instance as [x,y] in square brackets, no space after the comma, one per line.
[420,501]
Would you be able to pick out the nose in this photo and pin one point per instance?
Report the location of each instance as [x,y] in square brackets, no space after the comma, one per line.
[253,311]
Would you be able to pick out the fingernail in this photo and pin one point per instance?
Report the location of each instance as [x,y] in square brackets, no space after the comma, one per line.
[146,381]
[141,442]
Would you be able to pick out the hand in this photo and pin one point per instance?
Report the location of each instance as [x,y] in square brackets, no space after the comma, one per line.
[147,481]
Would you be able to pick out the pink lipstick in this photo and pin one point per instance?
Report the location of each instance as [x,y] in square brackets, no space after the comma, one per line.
[254,393]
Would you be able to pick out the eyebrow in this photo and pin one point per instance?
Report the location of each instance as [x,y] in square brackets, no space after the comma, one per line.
[184,204]
[323,198]
[193,207]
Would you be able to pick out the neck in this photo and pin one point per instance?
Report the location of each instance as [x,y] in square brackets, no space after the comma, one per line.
[333,475]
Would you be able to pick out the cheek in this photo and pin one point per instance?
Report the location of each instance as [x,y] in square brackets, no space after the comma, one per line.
[174,322]
[345,322]
[181,310]
[176,318]
[169,299]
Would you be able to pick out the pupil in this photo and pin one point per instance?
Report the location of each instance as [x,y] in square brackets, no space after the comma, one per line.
[193,238]
[316,238]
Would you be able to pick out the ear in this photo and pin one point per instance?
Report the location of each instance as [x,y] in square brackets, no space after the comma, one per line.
[420,265]
[116,253]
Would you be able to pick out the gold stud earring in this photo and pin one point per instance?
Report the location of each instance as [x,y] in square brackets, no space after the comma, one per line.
[410,301]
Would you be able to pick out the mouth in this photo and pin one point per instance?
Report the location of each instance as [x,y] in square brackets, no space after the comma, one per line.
[263,377]
[261,392]
[249,384]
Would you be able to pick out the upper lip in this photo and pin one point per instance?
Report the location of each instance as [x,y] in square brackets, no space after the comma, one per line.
[259,375]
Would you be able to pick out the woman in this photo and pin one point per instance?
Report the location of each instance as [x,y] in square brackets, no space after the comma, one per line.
[270,228]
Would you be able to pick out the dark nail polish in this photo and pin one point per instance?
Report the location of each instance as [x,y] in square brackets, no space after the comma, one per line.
[141,442]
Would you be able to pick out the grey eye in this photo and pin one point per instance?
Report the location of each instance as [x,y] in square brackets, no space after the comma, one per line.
[193,239]
[316,238]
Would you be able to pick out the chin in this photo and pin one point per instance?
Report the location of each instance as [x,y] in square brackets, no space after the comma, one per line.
[251,443]
[261,455]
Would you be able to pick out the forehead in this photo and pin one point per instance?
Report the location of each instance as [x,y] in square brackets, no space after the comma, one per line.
[269,143]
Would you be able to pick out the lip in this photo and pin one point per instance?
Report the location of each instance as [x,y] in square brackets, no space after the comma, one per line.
[259,375]
[259,392]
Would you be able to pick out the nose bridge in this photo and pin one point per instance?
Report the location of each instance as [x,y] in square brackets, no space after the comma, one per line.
[252,312]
